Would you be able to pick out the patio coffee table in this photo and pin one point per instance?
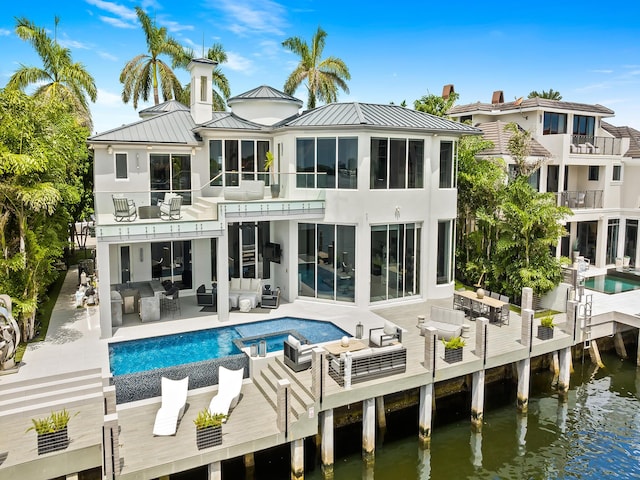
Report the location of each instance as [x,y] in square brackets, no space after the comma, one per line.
[337,348]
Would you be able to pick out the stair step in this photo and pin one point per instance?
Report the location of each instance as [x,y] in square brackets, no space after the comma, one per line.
[48,405]
[298,408]
[267,392]
[34,386]
[29,398]
[298,390]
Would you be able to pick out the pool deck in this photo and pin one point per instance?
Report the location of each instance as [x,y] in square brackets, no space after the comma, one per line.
[73,345]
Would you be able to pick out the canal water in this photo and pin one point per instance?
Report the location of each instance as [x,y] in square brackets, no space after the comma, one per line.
[594,435]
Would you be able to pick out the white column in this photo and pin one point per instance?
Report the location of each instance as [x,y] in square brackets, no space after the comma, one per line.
[524,374]
[565,371]
[326,447]
[477,401]
[425,415]
[104,289]
[297,459]
[368,430]
[223,278]
[526,332]
[214,471]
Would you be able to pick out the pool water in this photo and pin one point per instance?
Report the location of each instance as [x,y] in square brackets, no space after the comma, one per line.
[170,350]
[610,284]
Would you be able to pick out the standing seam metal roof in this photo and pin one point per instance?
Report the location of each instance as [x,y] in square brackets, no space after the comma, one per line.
[264,92]
[172,127]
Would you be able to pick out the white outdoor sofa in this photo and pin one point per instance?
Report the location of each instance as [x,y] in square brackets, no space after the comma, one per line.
[245,288]
[248,190]
[447,321]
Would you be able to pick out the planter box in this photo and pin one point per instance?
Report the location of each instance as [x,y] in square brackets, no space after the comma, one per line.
[208,437]
[452,355]
[52,442]
[545,333]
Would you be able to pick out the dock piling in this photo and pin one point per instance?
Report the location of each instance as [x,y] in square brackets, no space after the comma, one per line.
[618,342]
[214,471]
[565,372]
[477,401]
[368,430]
[426,414]
[297,459]
[326,445]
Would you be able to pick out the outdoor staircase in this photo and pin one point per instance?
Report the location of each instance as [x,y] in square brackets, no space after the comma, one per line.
[301,397]
[203,208]
[51,393]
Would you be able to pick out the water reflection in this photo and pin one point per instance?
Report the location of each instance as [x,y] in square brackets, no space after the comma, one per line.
[476,449]
[424,464]
[521,433]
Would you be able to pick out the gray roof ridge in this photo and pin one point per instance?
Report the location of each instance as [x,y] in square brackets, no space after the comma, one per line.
[153,118]
[363,120]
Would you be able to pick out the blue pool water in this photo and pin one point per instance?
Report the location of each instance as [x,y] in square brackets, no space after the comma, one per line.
[610,284]
[169,350]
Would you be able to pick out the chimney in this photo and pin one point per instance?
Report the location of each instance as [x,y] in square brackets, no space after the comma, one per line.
[447,90]
[201,103]
[498,97]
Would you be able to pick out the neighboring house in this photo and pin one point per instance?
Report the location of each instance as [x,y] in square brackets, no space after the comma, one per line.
[592,167]
[365,215]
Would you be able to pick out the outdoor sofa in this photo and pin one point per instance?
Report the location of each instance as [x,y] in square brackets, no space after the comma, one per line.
[369,363]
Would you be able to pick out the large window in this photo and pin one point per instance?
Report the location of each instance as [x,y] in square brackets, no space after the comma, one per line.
[594,173]
[396,163]
[395,261]
[170,173]
[584,125]
[444,264]
[247,241]
[554,123]
[327,162]
[631,241]
[447,165]
[122,170]
[326,258]
[612,240]
[229,159]
[172,261]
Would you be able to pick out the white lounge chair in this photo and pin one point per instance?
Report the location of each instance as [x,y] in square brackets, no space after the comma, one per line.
[174,398]
[229,386]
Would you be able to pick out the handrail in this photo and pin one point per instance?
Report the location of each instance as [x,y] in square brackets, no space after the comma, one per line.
[214,178]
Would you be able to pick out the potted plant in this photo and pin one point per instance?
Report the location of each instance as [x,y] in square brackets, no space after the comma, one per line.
[545,329]
[268,166]
[52,431]
[453,349]
[208,429]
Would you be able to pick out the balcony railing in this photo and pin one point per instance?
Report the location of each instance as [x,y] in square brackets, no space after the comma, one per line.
[591,145]
[581,199]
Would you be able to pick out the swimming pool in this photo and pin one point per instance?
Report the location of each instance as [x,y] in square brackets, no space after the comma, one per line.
[610,284]
[134,356]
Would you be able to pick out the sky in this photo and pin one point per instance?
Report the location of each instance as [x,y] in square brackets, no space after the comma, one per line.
[395,51]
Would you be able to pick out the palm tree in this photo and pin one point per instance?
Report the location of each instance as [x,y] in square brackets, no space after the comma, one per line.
[59,78]
[219,80]
[550,95]
[324,77]
[144,71]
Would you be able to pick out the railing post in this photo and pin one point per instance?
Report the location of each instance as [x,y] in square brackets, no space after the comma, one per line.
[111,449]
[430,341]
[284,406]
[318,374]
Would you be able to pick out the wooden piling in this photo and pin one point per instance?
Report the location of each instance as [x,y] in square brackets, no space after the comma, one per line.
[368,430]
[297,459]
[594,353]
[326,430]
[618,342]
[477,401]
[381,416]
[425,415]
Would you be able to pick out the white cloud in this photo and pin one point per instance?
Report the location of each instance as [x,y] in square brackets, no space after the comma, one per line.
[174,26]
[245,17]
[107,56]
[108,99]
[238,63]
[68,43]
[4,32]
[115,22]
[602,71]
[270,48]
[120,11]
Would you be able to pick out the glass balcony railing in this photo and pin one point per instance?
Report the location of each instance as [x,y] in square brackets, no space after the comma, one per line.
[592,145]
[581,199]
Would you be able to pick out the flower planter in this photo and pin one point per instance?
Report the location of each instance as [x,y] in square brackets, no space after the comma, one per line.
[545,333]
[53,441]
[208,437]
[452,355]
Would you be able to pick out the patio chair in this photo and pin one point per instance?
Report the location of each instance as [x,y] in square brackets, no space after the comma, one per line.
[174,399]
[170,301]
[495,295]
[124,210]
[503,316]
[229,387]
[204,298]
[504,298]
[297,356]
[170,207]
[382,336]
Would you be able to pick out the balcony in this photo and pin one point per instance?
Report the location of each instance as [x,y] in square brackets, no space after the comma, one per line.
[204,216]
[590,145]
[580,199]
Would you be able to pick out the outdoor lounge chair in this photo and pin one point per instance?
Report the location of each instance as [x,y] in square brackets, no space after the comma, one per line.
[297,356]
[174,398]
[387,335]
[229,387]
[204,298]
[170,207]
[124,210]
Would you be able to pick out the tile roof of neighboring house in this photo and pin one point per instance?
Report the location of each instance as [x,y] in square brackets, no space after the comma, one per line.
[170,128]
[168,106]
[535,103]
[625,132]
[366,114]
[264,92]
[495,132]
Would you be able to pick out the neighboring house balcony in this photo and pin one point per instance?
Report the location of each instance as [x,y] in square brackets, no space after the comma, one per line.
[592,145]
[130,216]
[580,199]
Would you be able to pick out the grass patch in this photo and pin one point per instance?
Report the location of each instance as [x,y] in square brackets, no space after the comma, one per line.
[43,314]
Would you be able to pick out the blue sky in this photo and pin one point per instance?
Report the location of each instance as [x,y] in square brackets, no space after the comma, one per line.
[395,50]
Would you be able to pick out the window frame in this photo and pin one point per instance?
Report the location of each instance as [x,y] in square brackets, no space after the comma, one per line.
[312,169]
[126,166]
[450,180]
[231,161]
[594,173]
[409,176]
[616,174]
[548,123]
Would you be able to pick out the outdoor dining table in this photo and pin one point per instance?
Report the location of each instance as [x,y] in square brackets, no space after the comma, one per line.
[493,305]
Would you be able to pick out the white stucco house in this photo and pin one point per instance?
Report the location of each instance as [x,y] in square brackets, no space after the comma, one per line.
[592,166]
[365,213]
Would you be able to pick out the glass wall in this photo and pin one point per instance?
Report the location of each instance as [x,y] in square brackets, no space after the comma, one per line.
[246,246]
[330,162]
[444,264]
[170,173]
[172,261]
[631,241]
[395,261]
[446,165]
[396,163]
[326,255]
[612,240]
[246,156]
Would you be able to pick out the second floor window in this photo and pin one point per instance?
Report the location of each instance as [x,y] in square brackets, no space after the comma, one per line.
[583,125]
[447,165]
[122,171]
[327,162]
[617,173]
[396,163]
[228,159]
[594,172]
[554,123]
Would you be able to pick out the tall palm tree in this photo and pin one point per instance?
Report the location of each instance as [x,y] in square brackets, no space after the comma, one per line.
[219,80]
[60,78]
[145,71]
[550,95]
[324,77]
